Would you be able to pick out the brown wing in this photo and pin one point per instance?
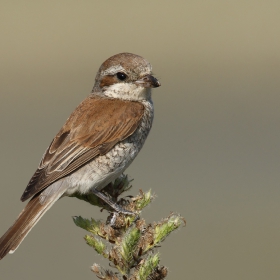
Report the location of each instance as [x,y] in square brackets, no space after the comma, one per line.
[95,126]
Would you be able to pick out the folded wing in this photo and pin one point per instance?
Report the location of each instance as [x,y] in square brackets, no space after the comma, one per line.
[95,126]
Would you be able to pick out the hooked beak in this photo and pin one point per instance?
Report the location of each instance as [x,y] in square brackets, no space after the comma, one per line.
[148,81]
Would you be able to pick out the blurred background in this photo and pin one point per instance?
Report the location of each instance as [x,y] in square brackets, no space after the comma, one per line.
[214,151]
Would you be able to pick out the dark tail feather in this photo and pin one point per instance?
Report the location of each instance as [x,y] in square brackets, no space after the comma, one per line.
[29,216]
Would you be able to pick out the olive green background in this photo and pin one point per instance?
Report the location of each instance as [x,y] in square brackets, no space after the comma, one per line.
[213,154]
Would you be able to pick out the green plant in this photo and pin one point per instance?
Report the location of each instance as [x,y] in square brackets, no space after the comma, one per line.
[130,243]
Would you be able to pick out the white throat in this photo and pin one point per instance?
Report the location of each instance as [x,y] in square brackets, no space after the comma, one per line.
[128,91]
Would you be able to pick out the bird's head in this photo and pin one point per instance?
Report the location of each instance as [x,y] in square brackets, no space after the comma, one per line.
[125,76]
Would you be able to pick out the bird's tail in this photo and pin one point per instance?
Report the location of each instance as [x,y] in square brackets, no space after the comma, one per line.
[29,216]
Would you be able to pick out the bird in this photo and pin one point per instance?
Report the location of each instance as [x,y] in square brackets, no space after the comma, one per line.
[99,140]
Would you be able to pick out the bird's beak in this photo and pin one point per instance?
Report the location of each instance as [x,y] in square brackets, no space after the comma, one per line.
[148,81]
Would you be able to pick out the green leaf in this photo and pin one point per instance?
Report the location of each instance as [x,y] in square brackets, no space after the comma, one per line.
[89,225]
[148,267]
[97,244]
[144,200]
[166,227]
[129,244]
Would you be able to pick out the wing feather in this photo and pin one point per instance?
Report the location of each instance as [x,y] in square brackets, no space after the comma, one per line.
[95,126]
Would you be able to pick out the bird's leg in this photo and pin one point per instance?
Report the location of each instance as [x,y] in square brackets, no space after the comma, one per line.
[112,222]
[112,204]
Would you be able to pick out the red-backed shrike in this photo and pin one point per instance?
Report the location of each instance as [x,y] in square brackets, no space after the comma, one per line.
[96,144]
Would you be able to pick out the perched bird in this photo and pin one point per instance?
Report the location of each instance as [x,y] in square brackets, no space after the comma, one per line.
[96,144]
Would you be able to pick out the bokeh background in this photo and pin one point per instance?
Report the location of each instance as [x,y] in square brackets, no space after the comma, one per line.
[213,154]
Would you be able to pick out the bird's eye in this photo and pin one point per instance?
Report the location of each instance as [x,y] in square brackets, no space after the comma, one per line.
[121,76]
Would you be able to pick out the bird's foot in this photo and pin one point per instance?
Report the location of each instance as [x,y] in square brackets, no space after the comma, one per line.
[118,209]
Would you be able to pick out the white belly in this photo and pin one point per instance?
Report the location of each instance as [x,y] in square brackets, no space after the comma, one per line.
[102,170]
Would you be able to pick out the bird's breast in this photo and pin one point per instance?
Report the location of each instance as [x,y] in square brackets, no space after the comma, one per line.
[104,169]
